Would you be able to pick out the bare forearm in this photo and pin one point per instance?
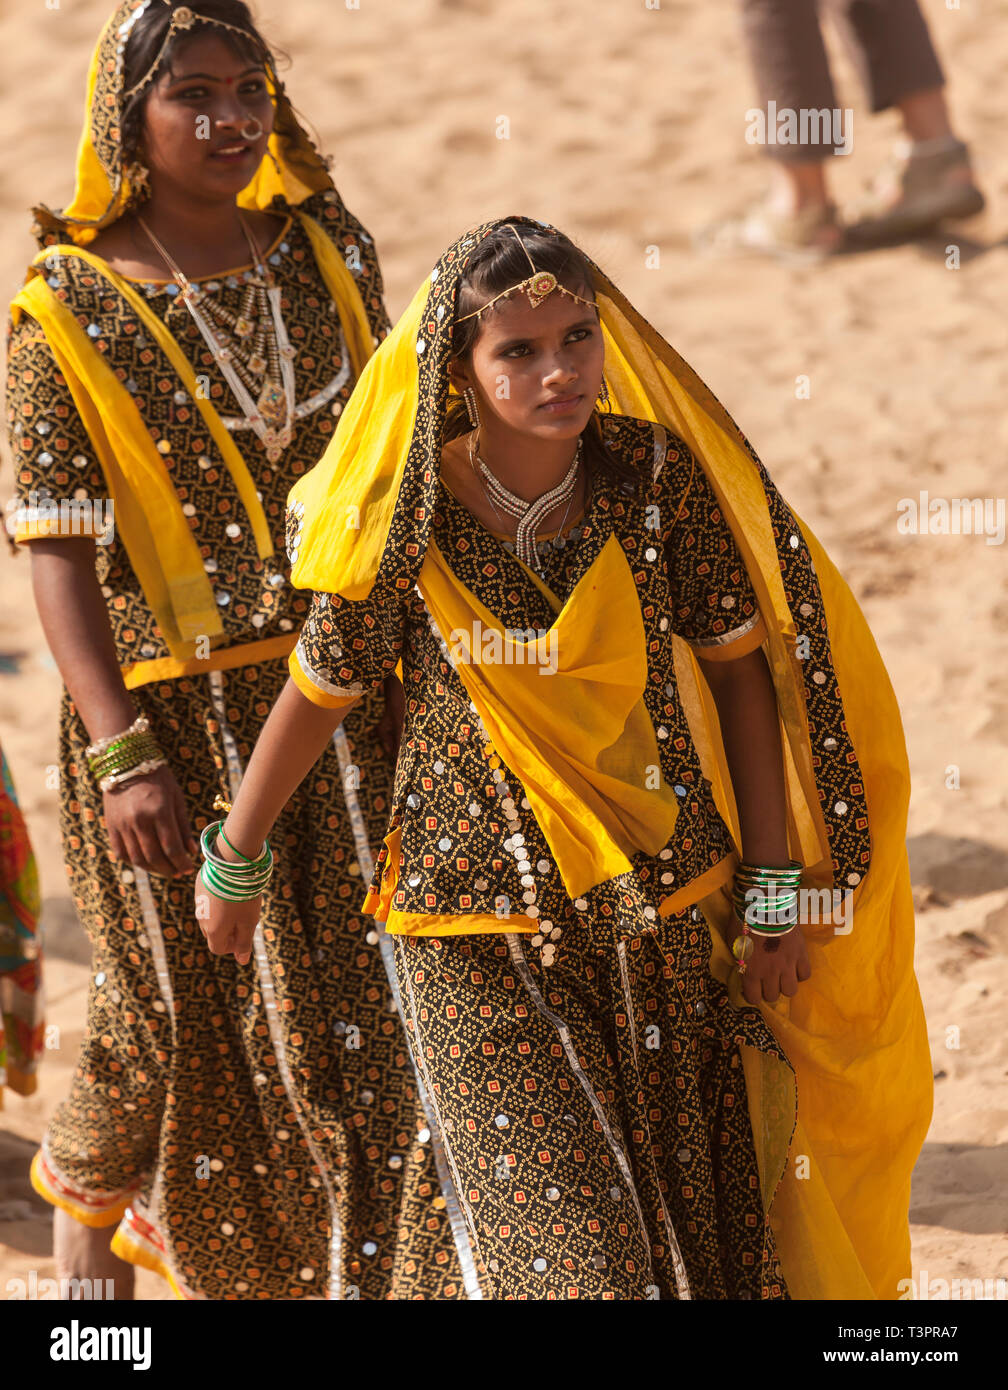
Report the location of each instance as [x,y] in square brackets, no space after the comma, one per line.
[76,626]
[750,729]
[291,742]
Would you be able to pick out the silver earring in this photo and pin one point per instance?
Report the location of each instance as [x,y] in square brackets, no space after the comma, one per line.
[603,395]
[469,396]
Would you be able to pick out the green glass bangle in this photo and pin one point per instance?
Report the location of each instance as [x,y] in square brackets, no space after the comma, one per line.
[762,929]
[758,912]
[214,829]
[222,836]
[766,893]
[764,899]
[124,741]
[217,890]
[118,760]
[237,875]
[117,754]
[793,869]
[239,885]
[236,887]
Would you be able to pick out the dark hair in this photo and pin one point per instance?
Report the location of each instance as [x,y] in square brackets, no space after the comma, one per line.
[148,34]
[497,263]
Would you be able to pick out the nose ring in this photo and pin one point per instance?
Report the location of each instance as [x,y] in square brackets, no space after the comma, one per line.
[250,135]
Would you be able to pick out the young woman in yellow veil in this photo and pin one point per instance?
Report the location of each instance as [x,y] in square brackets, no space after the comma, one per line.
[646,730]
[188,336]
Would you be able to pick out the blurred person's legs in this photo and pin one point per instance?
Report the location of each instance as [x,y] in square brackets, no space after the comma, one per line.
[929,177]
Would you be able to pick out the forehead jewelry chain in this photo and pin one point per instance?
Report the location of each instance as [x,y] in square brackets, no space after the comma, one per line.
[538,286]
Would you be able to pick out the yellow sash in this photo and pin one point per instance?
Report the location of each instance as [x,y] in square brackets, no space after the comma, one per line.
[564,710]
[158,538]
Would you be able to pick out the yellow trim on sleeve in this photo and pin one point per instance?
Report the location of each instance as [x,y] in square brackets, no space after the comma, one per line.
[310,690]
[94,1218]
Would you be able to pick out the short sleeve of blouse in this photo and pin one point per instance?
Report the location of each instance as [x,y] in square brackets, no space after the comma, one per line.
[52,453]
[714,606]
[346,647]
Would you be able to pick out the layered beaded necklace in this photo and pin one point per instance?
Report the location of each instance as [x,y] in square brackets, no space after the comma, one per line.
[527,514]
[251,347]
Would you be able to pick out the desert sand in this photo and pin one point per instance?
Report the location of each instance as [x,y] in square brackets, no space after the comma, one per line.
[625,127]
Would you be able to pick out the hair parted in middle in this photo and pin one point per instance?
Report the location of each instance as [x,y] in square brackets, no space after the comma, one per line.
[498,263]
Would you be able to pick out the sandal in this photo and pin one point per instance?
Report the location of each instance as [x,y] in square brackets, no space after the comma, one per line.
[913,192]
[802,237]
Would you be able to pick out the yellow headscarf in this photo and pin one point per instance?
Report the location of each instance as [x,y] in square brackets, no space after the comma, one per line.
[855,1032]
[149,517]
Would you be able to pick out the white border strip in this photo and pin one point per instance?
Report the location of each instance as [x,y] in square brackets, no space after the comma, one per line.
[518,957]
[234,769]
[470,1278]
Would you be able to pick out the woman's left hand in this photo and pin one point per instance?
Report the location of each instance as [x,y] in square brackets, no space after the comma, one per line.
[228,926]
[777,966]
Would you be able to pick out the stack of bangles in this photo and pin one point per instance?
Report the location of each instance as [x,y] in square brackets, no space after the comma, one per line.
[124,756]
[235,883]
[766,903]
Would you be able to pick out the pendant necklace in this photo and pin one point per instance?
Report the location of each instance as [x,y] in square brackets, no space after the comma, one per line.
[527,514]
[253,353]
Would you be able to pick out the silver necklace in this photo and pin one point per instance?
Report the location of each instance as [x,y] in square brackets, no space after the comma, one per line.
[272,414]
[527,514]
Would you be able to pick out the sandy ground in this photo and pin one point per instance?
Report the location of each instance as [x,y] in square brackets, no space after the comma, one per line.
[626,129]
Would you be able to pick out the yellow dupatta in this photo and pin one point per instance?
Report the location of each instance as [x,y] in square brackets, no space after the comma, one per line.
[854,1033]
[148,511]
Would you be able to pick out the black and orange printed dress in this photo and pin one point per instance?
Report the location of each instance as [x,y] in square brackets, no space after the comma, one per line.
[256,1132]
[585,1066]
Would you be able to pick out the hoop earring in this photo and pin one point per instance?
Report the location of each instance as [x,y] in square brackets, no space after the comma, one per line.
[244,132]
[603,396]
[472,410]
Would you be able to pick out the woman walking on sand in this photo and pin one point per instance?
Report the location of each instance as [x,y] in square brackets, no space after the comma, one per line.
[619,786]
[187,338]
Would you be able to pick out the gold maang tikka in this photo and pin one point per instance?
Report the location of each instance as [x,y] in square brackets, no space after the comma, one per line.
[182,18]
[537,286]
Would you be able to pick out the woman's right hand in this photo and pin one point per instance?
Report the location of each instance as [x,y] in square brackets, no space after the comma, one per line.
[227,926]
[148,825]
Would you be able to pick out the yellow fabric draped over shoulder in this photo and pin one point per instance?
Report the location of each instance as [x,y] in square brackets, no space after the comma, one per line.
[147,508]
[582,770]
[855,1033]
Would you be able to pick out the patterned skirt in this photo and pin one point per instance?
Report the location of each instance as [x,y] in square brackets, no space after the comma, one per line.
[257,1131]
[594,1113]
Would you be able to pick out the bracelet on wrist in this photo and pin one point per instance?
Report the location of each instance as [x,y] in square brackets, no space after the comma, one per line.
[765,901]
[111,759]
[117,779]
[228,880]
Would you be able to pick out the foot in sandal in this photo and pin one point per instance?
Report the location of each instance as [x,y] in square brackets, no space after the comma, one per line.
[919,187]
[804,235]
